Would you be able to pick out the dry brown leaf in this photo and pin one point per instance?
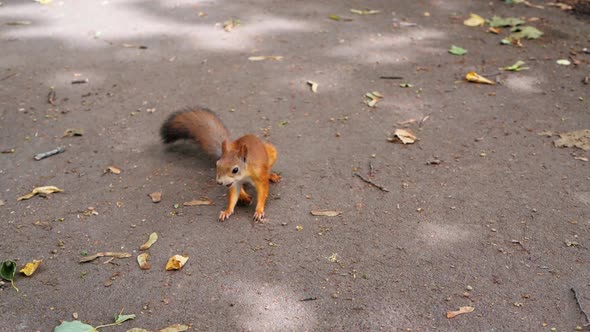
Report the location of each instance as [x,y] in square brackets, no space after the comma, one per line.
[476,78]
[46,190]
[579,139]
[113,169]
[474,20]
[462,310]
[90,258]
[30,267]
[200,201]
[326,213]
[152,239]
[313,85]
[404,136]
[494,30]
[156,196]
[142,260]
[176,262]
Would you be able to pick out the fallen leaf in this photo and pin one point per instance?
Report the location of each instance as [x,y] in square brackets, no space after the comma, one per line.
[299,228]
[403,135]
[231,24]
[73,326]
[498,22]
[374,97]
[326,213]
[494,30]
[142,260]
[579,139]
[44,2]
[462,310]
[46,190]
[266,57]
[560,5]
[200,201]
[90,258]
[175,328]
[313,85]
[156,196]
[563,62]
[152,239]
[7,272]
[476,78]
[112,169]
[339,18]
[527,32]
[334,258]
[70,132]
[30,267]
[517,66]
[406,85]
[365,12]
[456,50]
[474,20]
[176,262]
[120,318]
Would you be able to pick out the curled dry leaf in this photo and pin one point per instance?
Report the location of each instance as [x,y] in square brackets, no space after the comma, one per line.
[476,78]
[326,213]
[374,97]
[112,169]
[90,258]
[142,260]
[30,267]
[176,262]
[200,201]
[579,139]
[474,20]
[462,310]
[266,57]
[156,196]
[152,239]
[46,190]
[313,85]
[73,132]
[403,135]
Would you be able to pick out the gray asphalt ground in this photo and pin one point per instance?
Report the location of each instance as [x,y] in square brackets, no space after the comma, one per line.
[501,224]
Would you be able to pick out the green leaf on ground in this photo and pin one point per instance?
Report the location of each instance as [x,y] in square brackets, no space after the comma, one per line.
[73,326]
[122,318]
[456,50]
[498,22]
[7,272]
[518,66]
[525,32]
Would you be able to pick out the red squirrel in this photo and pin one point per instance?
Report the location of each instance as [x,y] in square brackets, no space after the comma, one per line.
[248,159]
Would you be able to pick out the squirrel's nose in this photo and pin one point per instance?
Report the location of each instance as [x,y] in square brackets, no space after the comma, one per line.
[219,182]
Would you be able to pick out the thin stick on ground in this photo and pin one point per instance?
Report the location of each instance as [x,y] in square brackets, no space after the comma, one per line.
[371,182]
[580,306]
[371,170]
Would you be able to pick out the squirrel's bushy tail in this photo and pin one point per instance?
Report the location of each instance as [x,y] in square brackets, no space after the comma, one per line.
[198,124]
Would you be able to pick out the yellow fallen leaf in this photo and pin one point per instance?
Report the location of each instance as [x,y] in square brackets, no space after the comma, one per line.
[266,57]
[313,85]
[326,213]
[30,267]
[404,136]
[474,20]
[176,262]
[142,260]
[175,328]
[113,169]
[152,239]
[46,190]
[200,201]
[462,310]
[476,78]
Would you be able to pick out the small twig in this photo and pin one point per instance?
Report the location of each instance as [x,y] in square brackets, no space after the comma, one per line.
[580,306]
[313,298]
[49,153]
[7,76]
[80,81]
[371,182]
[371,170]
[391,77]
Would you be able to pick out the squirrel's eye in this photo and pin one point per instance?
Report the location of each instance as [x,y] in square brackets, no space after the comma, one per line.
[235,170]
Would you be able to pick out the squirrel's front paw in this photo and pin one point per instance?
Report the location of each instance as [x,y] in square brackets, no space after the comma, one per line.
[258,216]
[223,215]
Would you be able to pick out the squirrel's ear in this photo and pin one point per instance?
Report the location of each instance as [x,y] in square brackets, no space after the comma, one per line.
[224,146]
[243,152]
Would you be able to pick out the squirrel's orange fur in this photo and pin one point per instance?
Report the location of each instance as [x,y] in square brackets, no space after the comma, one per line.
[245,160]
